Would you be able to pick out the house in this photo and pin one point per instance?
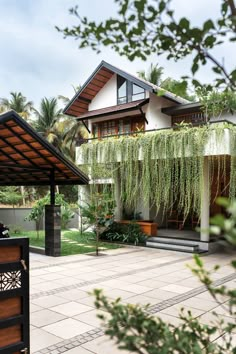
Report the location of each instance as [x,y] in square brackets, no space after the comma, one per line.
[117,108]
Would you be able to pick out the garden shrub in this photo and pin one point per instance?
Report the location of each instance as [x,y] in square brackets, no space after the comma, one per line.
[125,233]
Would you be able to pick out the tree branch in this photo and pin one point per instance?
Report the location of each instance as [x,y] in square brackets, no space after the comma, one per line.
[232,7]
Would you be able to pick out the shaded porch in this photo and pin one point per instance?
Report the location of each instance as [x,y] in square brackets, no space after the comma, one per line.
[27,159]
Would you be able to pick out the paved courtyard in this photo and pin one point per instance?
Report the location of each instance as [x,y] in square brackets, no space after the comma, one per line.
[63,316]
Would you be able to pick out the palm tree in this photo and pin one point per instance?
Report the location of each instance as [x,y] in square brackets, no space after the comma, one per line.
[153,74]
[58,129]
[48,118]
[65,99]
[19,103]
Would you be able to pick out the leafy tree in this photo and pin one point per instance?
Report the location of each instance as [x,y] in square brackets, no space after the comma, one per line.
[144,27]
[99,212]
[154,75]
[180,88]
[10,195]
[18,103]
[37,211]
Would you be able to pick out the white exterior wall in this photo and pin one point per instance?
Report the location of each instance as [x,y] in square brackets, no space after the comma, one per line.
[106,97]
[157,119]
[225,116]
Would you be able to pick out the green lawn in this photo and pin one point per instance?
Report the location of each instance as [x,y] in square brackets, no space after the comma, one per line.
[83,243]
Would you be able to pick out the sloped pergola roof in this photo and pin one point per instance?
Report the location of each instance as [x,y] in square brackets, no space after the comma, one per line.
[26,158]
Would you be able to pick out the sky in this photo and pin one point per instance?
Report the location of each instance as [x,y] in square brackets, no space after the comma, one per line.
[37,61]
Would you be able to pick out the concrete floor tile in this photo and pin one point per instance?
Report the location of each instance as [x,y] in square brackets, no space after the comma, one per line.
[68,328]
[40,339]
[176,310]
[74,294]
[71,308]
[176,288]
[44,317]
[79,350]
[103,345]
[48,301]
[91,318]
[200,304]
[34,307]
[159,294]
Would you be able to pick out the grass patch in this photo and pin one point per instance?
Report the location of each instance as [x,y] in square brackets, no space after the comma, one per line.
[83,243]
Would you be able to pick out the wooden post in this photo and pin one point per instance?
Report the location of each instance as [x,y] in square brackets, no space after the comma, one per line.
[52,187]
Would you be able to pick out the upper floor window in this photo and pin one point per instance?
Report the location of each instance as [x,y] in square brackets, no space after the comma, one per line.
[121,90]
[138,92]
[127,91]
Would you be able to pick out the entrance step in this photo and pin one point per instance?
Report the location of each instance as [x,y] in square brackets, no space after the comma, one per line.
[177,240]
[173,244]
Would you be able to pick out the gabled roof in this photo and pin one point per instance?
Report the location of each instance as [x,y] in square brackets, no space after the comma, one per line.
[79,103]
[26,158]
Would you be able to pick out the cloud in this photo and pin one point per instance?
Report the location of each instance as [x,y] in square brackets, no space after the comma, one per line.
[37,61]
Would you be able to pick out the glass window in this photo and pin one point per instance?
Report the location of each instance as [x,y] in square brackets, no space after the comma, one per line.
[121,90]
[138,93]
[108,128]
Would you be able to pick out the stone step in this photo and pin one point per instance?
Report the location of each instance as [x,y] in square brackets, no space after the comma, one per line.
[173,246]
[175,240]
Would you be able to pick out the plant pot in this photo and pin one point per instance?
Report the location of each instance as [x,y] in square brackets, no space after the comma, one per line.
[148,228]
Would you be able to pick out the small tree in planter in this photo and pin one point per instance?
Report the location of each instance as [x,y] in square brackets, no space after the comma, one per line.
[37,211]
[99,213]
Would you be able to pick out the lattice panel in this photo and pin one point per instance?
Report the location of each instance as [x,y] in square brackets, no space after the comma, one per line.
[10,280]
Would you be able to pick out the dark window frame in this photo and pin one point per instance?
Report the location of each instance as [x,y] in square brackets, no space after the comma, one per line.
[129,90]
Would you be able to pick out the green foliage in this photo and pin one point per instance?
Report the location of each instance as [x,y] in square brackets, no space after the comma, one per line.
[214,103]
[134,329]
[137,331]
[19,103]
[179,88]
[126,233]
[37,211]
[15,229]
[144,27]
[10,195]
[164,167]
[154,75]
[99,212]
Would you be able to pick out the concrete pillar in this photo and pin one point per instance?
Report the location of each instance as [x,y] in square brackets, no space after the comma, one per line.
[53,230]
[205,202]
[83,199]
[119,204]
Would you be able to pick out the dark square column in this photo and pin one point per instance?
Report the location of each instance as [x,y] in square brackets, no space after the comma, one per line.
[53,230]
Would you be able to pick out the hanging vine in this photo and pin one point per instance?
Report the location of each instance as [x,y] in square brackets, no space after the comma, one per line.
[164,167]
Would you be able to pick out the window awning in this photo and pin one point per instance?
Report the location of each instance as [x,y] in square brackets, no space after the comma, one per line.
[26,158]
[125,107]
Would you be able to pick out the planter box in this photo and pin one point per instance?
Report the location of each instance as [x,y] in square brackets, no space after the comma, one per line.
[147,227]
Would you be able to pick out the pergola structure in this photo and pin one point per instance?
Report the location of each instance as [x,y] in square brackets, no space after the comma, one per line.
[27,159]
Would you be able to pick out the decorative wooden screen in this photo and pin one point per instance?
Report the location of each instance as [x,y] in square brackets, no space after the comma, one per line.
[193,118]
[14,296]
[118,126]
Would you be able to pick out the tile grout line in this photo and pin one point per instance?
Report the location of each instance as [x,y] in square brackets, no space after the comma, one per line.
[80,261]
[105,278]
[182,297]
[86,337]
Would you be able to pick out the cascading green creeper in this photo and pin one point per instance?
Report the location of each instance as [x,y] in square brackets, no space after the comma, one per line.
[164,167]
